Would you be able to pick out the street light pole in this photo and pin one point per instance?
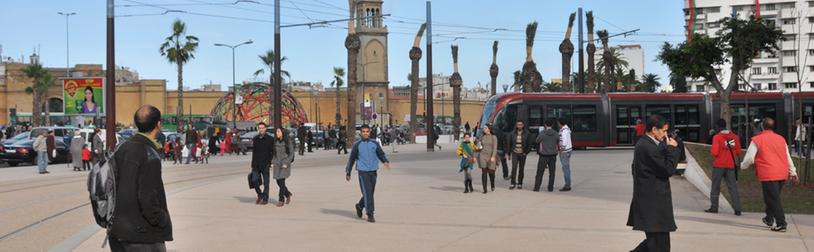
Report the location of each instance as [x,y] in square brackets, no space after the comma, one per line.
[67,43]
[234,84]
[277,83]
[110,79]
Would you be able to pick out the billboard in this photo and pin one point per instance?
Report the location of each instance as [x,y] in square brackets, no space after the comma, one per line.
[83,95]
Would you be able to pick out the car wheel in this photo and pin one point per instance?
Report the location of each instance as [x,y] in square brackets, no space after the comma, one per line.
[12,164]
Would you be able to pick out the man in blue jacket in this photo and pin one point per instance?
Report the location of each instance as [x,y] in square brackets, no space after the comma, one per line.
[368,153]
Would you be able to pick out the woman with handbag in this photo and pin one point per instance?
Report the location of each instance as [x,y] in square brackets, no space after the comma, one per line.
[466,150]
[487,156]
[282,157]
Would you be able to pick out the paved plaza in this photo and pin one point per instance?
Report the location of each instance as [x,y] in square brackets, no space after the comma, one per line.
[419,207]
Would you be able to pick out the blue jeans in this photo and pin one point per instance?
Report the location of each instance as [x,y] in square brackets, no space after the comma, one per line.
[565,159]
[191,153]
[42,161]
[367,182]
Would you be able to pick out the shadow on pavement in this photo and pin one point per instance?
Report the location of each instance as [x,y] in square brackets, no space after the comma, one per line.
[720,222]
[448,188]
[243,199]
[343,213]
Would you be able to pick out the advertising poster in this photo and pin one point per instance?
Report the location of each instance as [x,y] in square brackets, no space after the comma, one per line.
[83,95]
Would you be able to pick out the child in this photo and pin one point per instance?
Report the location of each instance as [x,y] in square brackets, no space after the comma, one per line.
[466,150]
[85,158]
[178,149]
[204,153]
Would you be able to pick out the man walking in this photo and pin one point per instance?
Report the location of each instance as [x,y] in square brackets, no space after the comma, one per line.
[520,145]
[301,136]
[366,154]
[191,139]
[98,146]
[142,220]
[547,147]
[501,151]
[565,153]
[41,147]
[773,165]
[262,147]
[342,143]
[651,209]
[725,147]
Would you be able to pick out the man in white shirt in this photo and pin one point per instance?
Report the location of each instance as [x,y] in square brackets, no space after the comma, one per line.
[565,153]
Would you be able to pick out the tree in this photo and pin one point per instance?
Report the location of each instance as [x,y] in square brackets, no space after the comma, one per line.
[567,50]
[613,62]
[736,44]
[339,73]
[493,69]
[352,43]
[591,49]
[519,82]
[268,62]
[41,81]
[532,78]
[649,83]
[608,69]
[456,81]
[179,48]
[552,87]
[679,83]
[415,55]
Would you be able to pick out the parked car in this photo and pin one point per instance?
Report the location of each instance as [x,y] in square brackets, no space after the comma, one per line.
[128,133]
[23,152]
[64,133]
[18,137]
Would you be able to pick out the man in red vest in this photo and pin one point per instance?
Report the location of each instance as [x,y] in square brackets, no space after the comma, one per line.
[773,165]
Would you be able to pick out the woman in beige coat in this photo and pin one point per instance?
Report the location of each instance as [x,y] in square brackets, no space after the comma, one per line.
[487,156]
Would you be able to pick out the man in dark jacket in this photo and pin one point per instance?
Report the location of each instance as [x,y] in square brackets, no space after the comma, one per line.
[519,145]
[262,147]
[501,151]
[97,146]
[52,145]
[547,147]
[651,210]
[342,141]
[311,143]
[301,136]
[142,221]
[191,139]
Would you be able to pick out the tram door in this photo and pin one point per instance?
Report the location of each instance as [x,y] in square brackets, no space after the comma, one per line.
[626,123]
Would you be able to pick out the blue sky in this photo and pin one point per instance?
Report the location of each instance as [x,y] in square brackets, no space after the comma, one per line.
[313,52]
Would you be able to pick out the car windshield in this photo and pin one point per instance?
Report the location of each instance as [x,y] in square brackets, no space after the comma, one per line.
[21,136]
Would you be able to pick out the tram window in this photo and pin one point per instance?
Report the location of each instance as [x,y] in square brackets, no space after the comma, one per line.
[693,114]
[535,116]
[584,118]
[506,118]
[558,112]
[663,110]
[681,115]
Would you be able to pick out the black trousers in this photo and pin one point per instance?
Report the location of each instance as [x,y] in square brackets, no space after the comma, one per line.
[655,242]
[341,146]
[487,173]
[86,164]
[545,162]
[302,147]
[367,183]
[264,172]
[121,246]
[284,192]
[518,163]
[503,163]
[771,197]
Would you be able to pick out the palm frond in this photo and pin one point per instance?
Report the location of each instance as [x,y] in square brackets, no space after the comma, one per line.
[531,31]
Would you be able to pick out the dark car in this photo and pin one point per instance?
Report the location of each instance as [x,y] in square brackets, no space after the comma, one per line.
[23,152]
[64,133]
[128,133]
[18,137]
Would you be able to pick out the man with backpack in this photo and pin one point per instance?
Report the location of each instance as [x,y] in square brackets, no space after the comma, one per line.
[725,148]
[142,220]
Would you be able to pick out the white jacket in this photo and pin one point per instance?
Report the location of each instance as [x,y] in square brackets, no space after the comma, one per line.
[800,134]
[565,139]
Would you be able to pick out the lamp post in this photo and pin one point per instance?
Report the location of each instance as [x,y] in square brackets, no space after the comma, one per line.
[234,86]
[67,43]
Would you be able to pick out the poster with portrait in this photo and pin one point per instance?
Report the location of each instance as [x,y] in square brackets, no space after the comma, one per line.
[83,95]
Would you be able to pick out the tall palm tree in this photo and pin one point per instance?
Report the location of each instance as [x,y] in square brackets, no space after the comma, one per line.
[179,48]
[41,80]
[591,48]
[493,69]
[456,81]
[352,43]
[567,50]
[649,83]
[606,54]
[612,62]
[268,62]
[339,73]
[415,55]
[532,78]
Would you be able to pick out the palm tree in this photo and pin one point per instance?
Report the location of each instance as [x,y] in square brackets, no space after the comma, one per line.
[567,50]
[591,48]
[518,81]
[339,73]
[352,43]
[268,62]
[456,81]
[532,78]
[679,83]
[415,55]
[493,69]
[606,54]
[41,80]
[552,87]
[649,83]
[179,52]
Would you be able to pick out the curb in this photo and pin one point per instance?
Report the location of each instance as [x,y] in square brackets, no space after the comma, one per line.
[698,178]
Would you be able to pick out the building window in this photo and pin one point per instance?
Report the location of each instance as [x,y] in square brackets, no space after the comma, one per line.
[756,71]
[712,10]
[772,70]
[787,6]
[811,68]
[811,84]
[713,24]
[789,53]
[789,85]
[699,88]
[789,21]
[757,86]
[741,86]
[810,4]
[772,86]
[789,37]
[791,69]
[768,7]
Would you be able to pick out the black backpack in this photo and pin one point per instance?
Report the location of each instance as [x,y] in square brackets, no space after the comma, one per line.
[102,190]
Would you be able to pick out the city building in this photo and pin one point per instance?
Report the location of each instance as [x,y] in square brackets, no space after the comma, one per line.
[771,71]
[211,87]
[633,54]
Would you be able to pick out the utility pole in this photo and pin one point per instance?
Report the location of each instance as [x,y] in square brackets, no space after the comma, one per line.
[110,81]
[234,85]
[67,43]
[581,76]
[429,118]
[277,83]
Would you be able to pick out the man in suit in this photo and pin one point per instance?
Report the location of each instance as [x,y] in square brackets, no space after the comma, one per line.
[651,210]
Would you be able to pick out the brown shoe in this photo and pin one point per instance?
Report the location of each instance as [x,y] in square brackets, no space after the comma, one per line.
[280,204]
[257,202]
[264,202]
[288,199]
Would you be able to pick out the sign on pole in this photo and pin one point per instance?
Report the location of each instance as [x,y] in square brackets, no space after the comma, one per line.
[83,95]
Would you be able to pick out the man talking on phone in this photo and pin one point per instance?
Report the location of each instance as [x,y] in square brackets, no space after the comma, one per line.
[651,210]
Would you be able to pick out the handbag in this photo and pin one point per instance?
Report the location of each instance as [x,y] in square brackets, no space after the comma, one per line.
[254,179]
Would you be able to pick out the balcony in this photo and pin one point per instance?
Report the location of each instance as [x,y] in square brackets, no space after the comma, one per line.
[790,28]
[789,45]
[790,61]
[786,13]
[788,77]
